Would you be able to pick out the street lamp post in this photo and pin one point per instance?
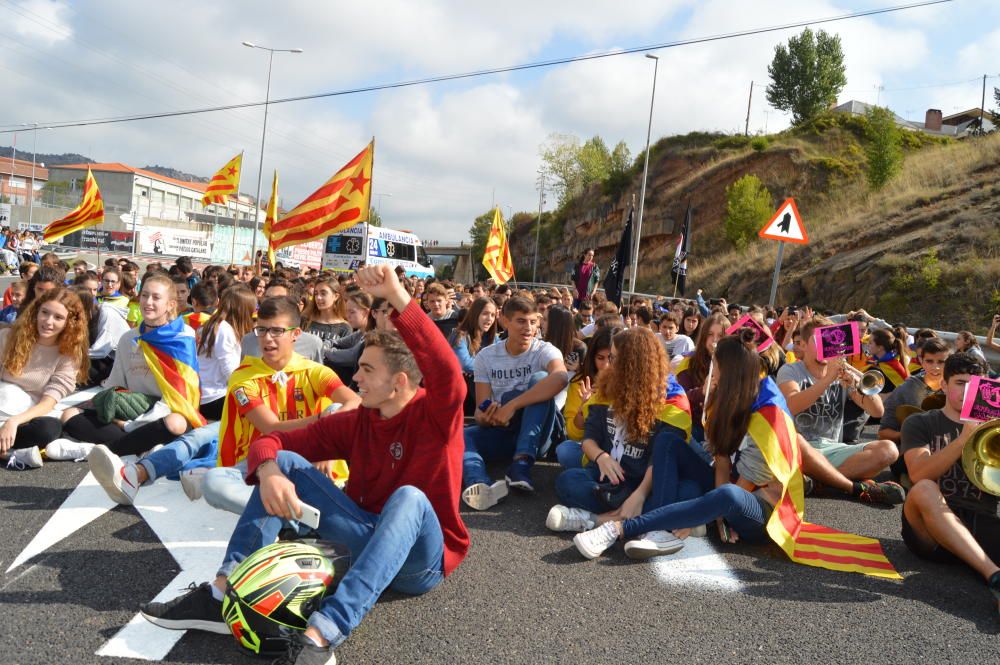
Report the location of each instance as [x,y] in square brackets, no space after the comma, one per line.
[31,187]
[645,173]
[263,135]
[378,207]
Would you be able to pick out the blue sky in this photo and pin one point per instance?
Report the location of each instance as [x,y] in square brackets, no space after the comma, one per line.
[443,150]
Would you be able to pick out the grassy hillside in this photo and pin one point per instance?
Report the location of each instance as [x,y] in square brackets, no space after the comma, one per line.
[929,239]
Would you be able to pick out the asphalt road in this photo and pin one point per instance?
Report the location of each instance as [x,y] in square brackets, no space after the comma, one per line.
[523,595]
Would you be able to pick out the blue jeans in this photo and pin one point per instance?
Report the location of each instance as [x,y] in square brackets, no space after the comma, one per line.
[169,460]
[401,548]
[225,488]
[527,431]
[682,496]
[570,454]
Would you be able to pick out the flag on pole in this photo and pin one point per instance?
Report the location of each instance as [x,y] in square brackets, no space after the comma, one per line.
[772,429]
[496,258]
[616,273]
[272,217]
[343,201]
[90,212]
[678,273]
[226,181]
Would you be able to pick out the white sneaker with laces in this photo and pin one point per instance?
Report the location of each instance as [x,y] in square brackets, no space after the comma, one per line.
[192,481]
[592,544]
[25,458]
[119,480]
[653,543]
[64,450]
[482,496]
[564,518]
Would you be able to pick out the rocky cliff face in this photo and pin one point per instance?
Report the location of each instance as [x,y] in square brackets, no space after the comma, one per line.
[925,250]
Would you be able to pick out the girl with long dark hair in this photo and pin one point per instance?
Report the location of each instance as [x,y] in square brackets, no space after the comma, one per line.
[586,277]
[581,387]
[219,346]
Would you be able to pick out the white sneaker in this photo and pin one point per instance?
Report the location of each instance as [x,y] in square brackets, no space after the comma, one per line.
[482,496]
[653,543]
[592,544]
[64,450]
[564,518]
[119,480]
[25,458]
[192,482]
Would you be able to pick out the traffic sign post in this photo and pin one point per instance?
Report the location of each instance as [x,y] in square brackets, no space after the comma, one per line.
[785,226]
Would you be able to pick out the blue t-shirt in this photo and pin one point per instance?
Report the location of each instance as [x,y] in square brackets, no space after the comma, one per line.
[8,314]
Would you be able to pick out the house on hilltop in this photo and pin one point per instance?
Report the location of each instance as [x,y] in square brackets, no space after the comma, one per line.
[958,125]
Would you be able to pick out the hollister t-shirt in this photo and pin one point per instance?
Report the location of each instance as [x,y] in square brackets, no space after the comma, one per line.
[504,372]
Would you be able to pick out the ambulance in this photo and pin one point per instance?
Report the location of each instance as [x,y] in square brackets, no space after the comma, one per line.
[344,251]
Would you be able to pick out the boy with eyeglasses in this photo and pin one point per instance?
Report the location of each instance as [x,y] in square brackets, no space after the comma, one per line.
[278,391]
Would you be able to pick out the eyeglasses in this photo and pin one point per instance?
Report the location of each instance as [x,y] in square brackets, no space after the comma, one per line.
[261,331]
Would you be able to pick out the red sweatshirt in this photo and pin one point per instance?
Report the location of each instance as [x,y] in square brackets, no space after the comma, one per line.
[420,446]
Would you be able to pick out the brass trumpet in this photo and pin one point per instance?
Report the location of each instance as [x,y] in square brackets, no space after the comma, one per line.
[869,383]
[981,457]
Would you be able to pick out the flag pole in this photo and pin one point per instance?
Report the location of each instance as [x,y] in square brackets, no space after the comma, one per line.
[236,214]
[368,213]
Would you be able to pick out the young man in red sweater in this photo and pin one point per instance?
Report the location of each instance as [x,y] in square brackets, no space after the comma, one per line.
[399,513]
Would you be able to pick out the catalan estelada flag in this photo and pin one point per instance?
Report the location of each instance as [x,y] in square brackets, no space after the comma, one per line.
[272,217]
[225,182]
[171,356]
[343,201]
[90,212]
[302,388]
[496,258]
[891,367]
[684,365]
[773,430]
[676,410]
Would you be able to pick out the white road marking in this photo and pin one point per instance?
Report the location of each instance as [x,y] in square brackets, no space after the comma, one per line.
[697,565]
[175,520]
[84,505]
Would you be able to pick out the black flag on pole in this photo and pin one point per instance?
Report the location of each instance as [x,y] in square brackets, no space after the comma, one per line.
[616,273]
[678,273]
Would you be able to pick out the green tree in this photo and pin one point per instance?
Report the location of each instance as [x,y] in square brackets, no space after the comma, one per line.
[884,149]
[748,207]
[374,218]
[807,76]
[560,157]
[594,159]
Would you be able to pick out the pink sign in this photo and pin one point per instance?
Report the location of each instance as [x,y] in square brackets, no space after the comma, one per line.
[837,341]
[761,336]
[982,400]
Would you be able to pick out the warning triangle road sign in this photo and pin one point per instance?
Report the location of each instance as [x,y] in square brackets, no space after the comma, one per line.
[786,225]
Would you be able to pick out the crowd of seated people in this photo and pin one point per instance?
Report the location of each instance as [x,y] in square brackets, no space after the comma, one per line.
[384,400]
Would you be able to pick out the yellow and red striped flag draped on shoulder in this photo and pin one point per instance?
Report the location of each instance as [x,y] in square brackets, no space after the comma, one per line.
[496,258]
[891,367]
[343,201]
[90,212]
[225,182]
[773,430]
[272,217]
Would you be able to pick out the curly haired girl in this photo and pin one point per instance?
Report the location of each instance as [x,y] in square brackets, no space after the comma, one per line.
[44,355]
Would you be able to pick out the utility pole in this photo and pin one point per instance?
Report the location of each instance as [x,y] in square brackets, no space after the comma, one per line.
[746,130]
[538,225]
[982,103]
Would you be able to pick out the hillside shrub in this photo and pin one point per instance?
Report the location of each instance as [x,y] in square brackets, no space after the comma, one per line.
[735,142]
[759,143]
[884,149]
[748,207]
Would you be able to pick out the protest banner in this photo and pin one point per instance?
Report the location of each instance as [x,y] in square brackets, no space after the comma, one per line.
[982,400]
[837,341]
[761,337]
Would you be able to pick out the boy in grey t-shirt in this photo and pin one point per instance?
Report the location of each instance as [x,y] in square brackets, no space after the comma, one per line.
[516,383]
[817,392]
